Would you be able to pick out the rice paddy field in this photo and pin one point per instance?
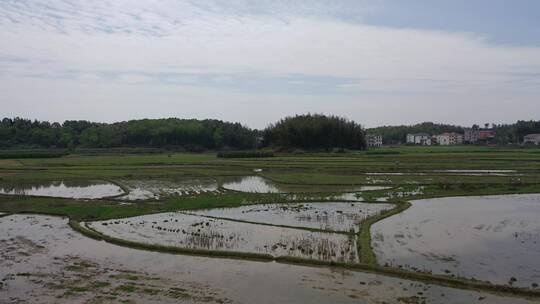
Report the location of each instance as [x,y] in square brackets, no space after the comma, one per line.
[393,225]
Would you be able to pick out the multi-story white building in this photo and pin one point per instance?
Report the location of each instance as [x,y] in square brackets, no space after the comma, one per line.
[531,139]
[471,135]
[374,140]
[419,139]
[447,139]
[443,139]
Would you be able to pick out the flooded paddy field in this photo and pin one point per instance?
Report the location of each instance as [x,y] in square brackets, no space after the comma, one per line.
[490,238]
[197,232]
[44,261]
[78,189]
[333,216]
[258,184]
[157,188]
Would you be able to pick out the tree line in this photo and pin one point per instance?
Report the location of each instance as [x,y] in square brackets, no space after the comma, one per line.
[190,133]
[301,131]
[309,131]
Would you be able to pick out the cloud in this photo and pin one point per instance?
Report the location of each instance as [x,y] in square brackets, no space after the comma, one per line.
[263,58]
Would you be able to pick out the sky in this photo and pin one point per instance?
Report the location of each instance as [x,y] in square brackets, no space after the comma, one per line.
[380,62]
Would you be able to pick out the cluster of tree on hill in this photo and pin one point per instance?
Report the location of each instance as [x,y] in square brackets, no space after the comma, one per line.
[505,133]
[189,133]
[315,131]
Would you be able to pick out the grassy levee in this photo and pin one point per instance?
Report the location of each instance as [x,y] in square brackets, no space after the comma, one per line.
[91,233]
[365,251]
[395,272]
[105,209]
[442,280]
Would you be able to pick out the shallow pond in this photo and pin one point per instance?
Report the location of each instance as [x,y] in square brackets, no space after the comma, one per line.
[191,231]
[258,184]
[65,189]
[327,216]
[158,188]
[57,254]
[494,238]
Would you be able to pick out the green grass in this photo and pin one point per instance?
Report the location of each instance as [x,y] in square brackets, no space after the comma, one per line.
[365,251]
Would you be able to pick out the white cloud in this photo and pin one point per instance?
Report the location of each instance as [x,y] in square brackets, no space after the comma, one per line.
[117,54]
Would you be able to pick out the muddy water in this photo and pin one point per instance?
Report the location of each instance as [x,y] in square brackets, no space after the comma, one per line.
[257,184]
[26,247]
[190,231]
[158,188]
[494,238]
[64,189]
[327,216]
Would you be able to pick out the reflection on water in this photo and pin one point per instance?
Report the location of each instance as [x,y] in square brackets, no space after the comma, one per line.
[64,189]
[327,216]
[258,184]
[190,231]
[158,188]
[495,238]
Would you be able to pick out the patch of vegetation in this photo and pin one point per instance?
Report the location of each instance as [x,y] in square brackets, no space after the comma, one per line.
[128,288]
[365,251]
[245,154]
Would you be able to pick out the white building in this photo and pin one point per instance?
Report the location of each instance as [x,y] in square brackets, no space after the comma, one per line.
[443,139]
[447,139]
[532,139]
[419,139]
[374,140]
[471,135]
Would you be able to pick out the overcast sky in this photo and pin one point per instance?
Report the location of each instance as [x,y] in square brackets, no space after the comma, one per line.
[379,62]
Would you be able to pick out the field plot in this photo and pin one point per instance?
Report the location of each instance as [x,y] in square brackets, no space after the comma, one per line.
[332,216]
[79,189]
[196,232]
[54,265]
[493,238]
[257,184]
[148,189]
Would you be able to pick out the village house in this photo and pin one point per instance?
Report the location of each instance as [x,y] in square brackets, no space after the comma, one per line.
[374,140]
[419,139]
[470,135]
[447,139]
[533,139]
[476,135]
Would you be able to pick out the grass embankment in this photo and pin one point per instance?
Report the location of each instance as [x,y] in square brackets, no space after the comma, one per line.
[106,209]
[93,210]
[365,250]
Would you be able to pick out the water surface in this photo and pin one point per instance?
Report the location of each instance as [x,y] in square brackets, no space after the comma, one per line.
[494,238]
[258,184]
[65,189]
[158,188]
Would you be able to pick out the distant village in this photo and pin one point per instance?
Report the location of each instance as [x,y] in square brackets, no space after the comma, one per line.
[471,136]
